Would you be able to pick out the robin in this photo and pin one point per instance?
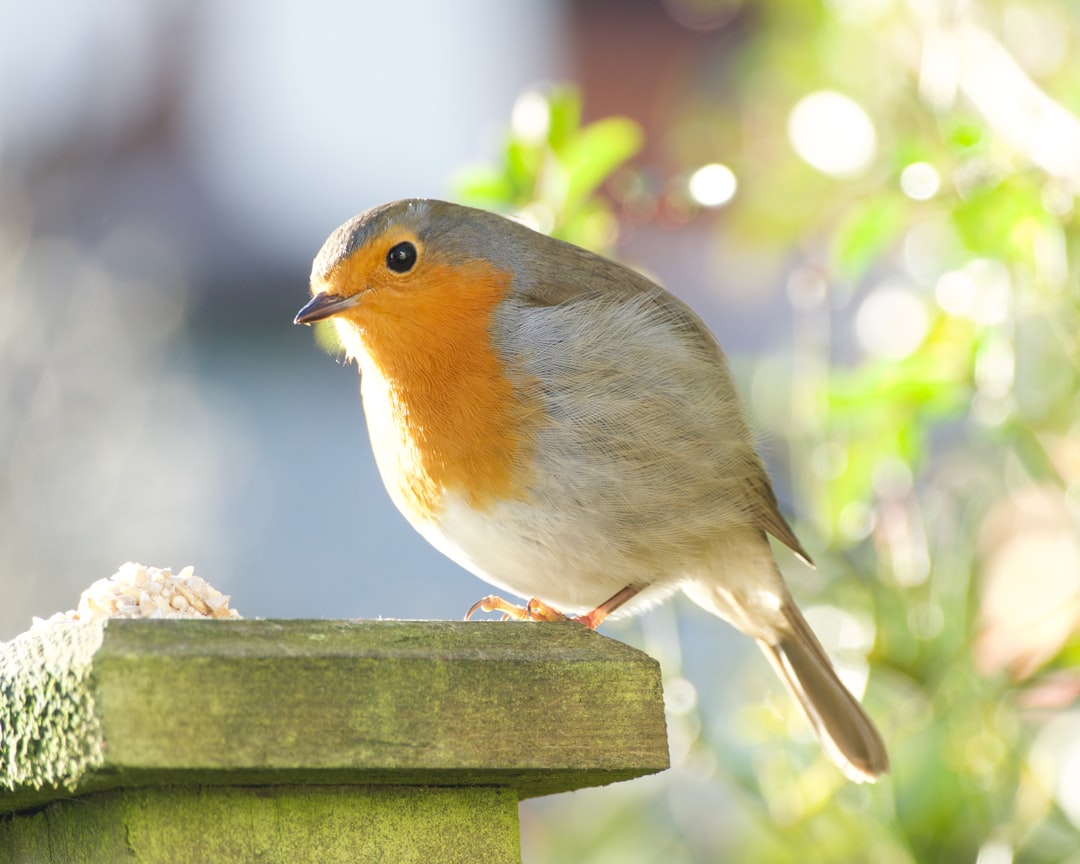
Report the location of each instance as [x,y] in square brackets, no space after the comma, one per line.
[569,431]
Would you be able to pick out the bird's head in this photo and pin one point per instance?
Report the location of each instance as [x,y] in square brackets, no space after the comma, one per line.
[403,273]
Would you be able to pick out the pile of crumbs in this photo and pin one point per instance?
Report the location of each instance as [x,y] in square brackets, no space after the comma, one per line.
[137,591]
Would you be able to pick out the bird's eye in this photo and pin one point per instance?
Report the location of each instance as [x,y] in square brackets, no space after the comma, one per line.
[401,258]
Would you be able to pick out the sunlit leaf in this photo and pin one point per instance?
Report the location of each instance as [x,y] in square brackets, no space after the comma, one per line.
[596,152]
[869,229]
[990,220]
[965,136]
[483,187]
[564,104]
[523,161]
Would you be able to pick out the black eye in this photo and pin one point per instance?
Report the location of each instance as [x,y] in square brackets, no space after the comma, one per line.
[401,258]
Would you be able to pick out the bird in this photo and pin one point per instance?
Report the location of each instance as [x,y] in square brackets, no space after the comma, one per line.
[570,432]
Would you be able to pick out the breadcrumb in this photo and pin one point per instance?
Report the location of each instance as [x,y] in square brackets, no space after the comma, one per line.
[138,591]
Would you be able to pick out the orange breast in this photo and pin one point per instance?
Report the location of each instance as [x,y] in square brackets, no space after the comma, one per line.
[446,413]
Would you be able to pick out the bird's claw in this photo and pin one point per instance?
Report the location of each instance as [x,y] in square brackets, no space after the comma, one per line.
[538,610]
[534,610]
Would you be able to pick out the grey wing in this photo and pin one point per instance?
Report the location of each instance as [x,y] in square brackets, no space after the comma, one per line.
[642,393]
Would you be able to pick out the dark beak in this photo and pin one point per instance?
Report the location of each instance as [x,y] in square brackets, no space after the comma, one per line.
[324,305]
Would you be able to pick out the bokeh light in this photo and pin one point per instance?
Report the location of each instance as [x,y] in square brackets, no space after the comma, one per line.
[832,132]
[530,117]
[1055,761]
[956,292]
[1030,597]
[713,185]
[891,322]
[920,181]
[995,852]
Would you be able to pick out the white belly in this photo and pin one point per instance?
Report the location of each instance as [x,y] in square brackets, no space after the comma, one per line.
[521,551]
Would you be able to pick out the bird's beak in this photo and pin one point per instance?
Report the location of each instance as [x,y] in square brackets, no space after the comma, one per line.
[324,305]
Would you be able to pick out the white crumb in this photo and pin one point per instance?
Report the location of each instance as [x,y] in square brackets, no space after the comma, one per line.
[137,591]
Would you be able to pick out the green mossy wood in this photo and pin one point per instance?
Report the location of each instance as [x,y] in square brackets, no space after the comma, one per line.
[335,737]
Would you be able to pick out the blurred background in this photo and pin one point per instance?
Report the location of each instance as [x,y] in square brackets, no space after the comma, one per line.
[871,202]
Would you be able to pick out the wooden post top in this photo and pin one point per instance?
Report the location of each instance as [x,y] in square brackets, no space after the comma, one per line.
[536,708]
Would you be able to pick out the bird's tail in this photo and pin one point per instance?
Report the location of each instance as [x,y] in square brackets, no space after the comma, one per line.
[847,735]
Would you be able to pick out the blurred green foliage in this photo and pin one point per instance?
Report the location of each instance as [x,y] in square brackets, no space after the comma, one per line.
[927,401]
[552,167]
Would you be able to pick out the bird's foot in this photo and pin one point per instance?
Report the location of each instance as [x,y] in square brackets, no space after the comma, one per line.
[534,610]
[538,610]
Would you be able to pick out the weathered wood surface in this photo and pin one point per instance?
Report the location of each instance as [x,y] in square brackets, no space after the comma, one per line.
[270,825]
[532,708]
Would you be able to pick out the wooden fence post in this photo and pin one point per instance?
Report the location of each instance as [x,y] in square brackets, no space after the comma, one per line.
[308,741]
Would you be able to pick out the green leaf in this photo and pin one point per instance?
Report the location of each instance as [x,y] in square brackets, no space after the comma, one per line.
[523,161]
[995,220]
[595,153]
[866,232]
[482,186]
[964,136]
[564,105]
